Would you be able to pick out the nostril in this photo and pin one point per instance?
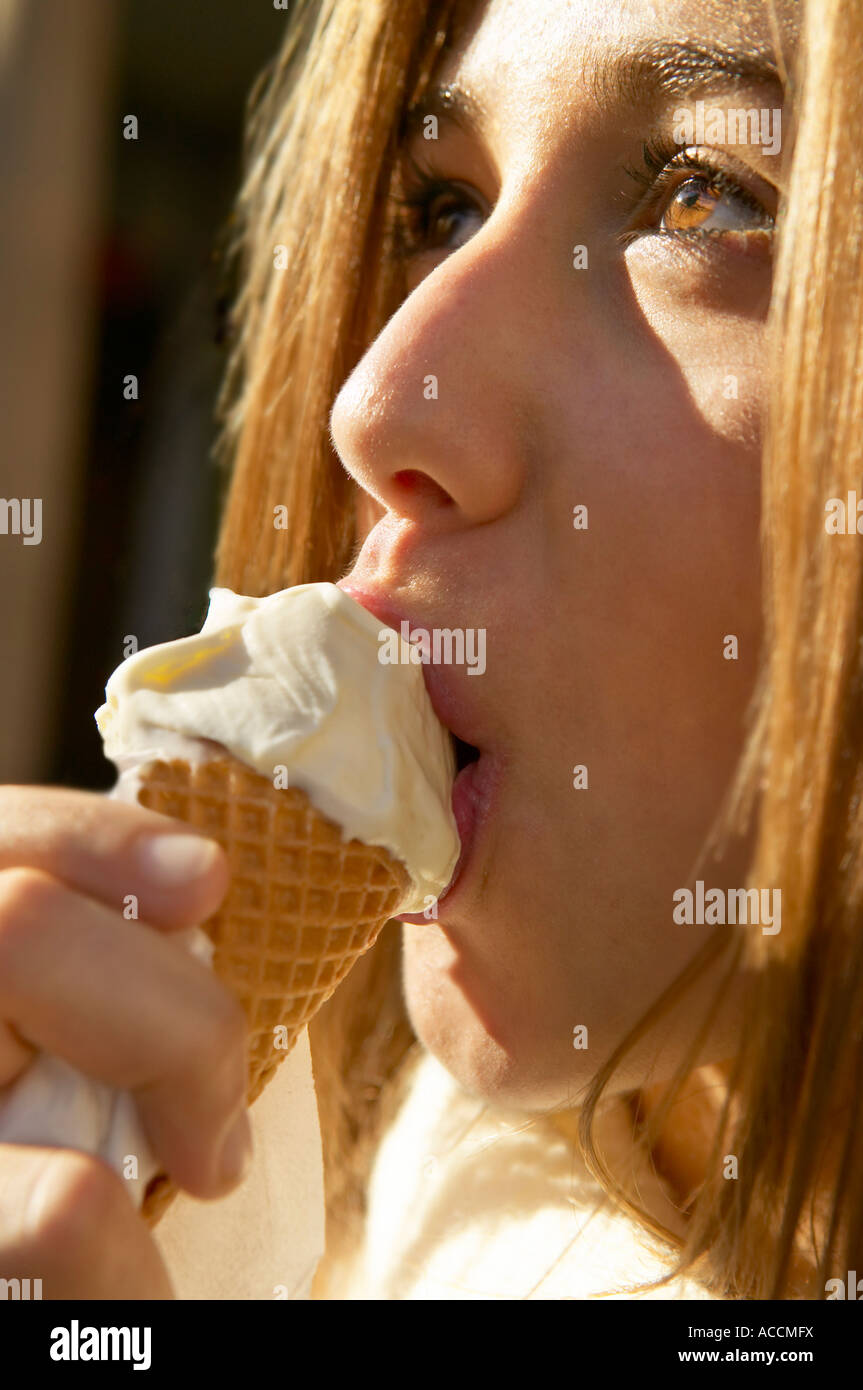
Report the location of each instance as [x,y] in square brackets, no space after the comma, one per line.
[417,484]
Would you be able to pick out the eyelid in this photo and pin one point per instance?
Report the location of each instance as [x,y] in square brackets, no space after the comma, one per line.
[420,170]
[407,167]
[416,185]
[663,158]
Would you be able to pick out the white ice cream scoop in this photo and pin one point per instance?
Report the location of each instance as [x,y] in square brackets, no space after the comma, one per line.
[296,681]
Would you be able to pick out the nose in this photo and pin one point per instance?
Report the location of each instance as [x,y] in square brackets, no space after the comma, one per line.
[434,421]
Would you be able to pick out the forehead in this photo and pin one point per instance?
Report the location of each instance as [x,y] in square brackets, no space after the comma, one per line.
[522,65]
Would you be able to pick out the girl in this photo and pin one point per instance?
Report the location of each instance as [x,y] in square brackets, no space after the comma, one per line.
[549,327]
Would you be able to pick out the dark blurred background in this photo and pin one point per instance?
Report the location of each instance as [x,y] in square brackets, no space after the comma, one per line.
[111,268]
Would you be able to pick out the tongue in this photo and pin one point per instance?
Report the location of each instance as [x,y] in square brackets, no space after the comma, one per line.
[464,800]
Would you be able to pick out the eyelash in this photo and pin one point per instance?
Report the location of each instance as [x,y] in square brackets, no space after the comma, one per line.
[414,207]
[661,160]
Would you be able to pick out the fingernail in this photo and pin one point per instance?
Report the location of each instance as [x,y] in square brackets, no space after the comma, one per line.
[237,1151]
[171,860]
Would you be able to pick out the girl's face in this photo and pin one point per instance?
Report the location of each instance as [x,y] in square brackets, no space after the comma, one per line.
[559,434]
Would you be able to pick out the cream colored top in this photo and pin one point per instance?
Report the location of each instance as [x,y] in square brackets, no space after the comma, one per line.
[470,1202]
[465,1202]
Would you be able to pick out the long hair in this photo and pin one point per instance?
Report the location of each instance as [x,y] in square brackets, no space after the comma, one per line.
[310,244]
[788,1217]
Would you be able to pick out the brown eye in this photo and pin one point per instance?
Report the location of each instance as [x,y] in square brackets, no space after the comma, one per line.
[432,213]
[691,206]
[702,204]
[689,194]
[449,221]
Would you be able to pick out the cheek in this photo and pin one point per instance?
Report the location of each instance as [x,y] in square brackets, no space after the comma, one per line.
[577,925]
[706,312]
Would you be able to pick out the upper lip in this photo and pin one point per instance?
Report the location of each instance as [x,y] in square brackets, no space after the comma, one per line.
[445,688]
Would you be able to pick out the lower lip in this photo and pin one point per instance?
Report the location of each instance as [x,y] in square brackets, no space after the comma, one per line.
[471,803]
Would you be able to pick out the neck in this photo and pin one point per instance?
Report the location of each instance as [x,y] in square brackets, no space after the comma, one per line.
[682,1150]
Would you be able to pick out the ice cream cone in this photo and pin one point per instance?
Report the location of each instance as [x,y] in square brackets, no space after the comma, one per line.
[302,906]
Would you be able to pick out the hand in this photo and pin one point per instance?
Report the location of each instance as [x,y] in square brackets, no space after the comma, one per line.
[122,1003]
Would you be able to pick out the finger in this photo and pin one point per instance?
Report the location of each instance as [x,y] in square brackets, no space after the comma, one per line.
[143,864]
[66,1220]
[132,1008]
[15,1054]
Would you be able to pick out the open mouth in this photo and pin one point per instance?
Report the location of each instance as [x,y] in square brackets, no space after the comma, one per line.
[465,753]
[474,789]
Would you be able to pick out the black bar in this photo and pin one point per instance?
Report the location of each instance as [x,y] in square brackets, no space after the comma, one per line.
[250,1338]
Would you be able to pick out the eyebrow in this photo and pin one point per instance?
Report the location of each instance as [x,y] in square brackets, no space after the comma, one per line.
[675,69]
[627,77]
[450,103]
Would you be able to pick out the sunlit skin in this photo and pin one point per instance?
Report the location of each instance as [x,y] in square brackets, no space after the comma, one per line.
[634,386]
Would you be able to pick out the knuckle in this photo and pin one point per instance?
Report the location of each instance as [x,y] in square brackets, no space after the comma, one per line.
[223,1042]
[25,894]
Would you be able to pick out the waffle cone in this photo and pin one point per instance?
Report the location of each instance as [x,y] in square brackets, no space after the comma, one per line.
[302,906]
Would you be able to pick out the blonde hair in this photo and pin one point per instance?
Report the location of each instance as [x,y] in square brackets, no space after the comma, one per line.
[323,129]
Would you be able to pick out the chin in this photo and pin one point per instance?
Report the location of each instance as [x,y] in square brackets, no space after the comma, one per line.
[459,1029]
